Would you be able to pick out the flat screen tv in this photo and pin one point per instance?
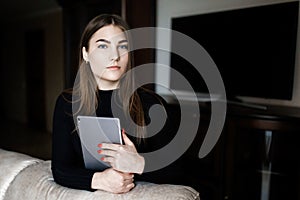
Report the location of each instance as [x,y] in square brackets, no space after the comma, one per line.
[254,49]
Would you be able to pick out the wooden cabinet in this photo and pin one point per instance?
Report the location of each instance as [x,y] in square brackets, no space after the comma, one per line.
[206,174]
[256,156]
[262,154]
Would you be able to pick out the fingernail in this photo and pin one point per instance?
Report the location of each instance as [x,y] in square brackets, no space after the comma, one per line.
[102,158]
[123,130]
[100,151]
[100,145]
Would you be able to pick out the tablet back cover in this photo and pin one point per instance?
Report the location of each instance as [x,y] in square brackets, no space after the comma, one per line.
[93,131]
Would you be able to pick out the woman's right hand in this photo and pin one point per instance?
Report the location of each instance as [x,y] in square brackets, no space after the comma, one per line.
[113,181]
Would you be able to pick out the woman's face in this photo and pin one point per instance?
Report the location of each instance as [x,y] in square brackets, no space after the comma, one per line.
[108,56]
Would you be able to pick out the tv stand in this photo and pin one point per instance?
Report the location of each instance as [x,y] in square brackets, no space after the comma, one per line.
[250,158]
[259,144]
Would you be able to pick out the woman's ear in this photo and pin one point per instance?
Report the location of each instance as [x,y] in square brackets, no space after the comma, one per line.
[85,55]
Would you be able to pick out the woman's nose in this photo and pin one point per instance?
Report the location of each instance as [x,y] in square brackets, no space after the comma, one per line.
[115,55]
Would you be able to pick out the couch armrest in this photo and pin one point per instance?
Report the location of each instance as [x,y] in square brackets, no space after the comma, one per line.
[11,164]
[36,182]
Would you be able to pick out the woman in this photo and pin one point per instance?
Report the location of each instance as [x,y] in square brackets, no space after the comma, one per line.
[104,60]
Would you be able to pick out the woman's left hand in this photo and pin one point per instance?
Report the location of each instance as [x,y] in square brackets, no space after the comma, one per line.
[124,158]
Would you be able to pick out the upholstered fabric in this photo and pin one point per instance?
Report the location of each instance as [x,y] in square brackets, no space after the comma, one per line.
[33,180]
[11,163]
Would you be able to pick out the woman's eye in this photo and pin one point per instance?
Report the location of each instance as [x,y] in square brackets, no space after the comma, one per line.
[124,46]
[102,46]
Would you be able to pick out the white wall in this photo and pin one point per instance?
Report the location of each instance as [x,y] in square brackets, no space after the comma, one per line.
[166,9]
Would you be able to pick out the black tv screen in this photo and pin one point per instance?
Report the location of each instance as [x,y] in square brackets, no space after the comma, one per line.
[254,49]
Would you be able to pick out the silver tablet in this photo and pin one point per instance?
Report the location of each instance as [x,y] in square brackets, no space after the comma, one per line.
[93,131]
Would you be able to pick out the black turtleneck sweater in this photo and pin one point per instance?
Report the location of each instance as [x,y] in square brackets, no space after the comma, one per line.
[67,159]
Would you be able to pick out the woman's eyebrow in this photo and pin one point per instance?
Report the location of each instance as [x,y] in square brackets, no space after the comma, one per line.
[106,41]
[122,41]
[103,40]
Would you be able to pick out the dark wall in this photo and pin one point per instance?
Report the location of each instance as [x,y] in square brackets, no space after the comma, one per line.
[77,13]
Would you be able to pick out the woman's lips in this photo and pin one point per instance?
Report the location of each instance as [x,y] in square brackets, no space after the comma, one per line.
[113,67]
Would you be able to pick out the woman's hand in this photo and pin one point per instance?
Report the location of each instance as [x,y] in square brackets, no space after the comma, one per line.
[124,158]
[113,181]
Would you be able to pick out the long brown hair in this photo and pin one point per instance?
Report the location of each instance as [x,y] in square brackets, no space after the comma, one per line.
[86,89]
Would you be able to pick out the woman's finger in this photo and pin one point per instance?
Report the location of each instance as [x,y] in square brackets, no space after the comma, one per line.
[109,160]
[128,175]
[126,139]
[131,185]
[109,146]
[128,181]
[106,152]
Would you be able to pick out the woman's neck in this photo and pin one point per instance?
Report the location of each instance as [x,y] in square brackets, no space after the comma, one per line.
[104,85]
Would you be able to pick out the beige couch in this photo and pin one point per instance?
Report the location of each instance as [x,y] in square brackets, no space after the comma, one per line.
[24,177]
